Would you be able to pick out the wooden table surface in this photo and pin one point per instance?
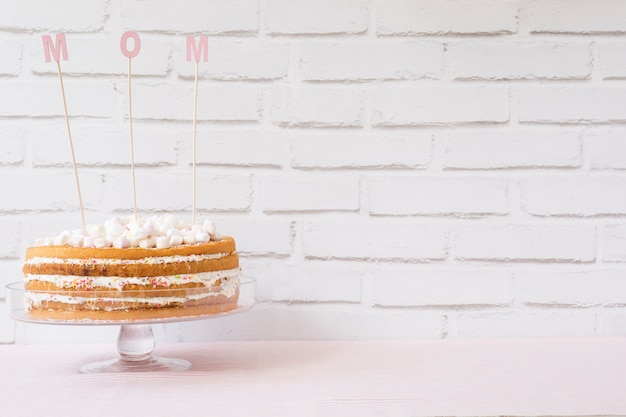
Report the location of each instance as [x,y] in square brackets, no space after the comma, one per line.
[523,377]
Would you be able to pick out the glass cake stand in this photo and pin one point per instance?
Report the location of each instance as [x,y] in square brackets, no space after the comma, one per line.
[135,341]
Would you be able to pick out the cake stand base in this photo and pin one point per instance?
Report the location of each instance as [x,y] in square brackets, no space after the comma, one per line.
[151,364]
[134,345]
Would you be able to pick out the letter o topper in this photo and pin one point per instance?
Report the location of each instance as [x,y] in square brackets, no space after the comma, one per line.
[124,44]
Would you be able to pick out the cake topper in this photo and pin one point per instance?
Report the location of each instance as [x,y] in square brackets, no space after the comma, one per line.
[130,54]
[198,50]
[58,49]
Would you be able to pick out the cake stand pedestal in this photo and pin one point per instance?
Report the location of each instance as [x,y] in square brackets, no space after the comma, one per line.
[135,344]
[135,341]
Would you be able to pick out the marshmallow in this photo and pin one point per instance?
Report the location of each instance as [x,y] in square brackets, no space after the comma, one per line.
[128,231]
[40,242]
[202,237]
[113,231]
[209,227]
[134,225]
[61,240]
[76,241]
[176,240]
[101,243]
[121,243]
[115,221]
[149,228]
[139,234]
[162,242]
[95,230]
[146,243]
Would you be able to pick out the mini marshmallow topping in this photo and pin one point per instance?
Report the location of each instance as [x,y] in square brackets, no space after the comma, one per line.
[127,232]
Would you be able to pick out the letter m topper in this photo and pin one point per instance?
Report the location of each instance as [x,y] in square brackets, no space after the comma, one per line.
[198,50]
[59,47]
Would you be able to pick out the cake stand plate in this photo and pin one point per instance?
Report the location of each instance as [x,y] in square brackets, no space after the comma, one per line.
[135,341]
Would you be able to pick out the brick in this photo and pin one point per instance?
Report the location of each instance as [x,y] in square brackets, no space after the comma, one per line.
[372,241]
[223,192]
[153,58]
[519,148]
[219,193]
[444,196]
[237,59]
[605,148]
[519,61]
[285,322]
[557,104]
[215,102]
[38,99]
[414,106]
[11,230]
[390,149]
[611,322]
[189,16]
[583,288]
[10,271]
[258,237]
[610,63]
[411,287]
[542,323]
[613,243]
[306,17]
[12,145]
[515,242]
[49,190]
[11,52]
[309,193]
[102,144]
[29,15]
[249,148]
[380,60]
[214,193]
[443,17]
[315,106]
[574,196]
[582,16]
[306,282]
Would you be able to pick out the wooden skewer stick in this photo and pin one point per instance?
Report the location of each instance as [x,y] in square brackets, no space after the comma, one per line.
[195,108]
[196,51]
[69,135]
[130,54]
[132,145]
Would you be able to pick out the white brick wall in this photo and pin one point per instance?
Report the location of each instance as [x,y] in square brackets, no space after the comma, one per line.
[390,168]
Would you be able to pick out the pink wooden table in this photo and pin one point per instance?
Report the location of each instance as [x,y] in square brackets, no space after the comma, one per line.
[575,377]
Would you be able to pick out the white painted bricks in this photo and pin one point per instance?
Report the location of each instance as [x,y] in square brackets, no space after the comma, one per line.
[390,169]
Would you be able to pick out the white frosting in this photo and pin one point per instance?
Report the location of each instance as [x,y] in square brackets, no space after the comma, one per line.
[153,260]
[37,298]
[208,279]
[127,232]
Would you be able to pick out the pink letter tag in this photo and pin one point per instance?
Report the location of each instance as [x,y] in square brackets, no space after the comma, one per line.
[58,49]
[199,50]
[124,44]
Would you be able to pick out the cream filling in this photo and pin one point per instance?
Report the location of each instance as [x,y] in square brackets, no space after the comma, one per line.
[208,279]
[156,260]
[35,299]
